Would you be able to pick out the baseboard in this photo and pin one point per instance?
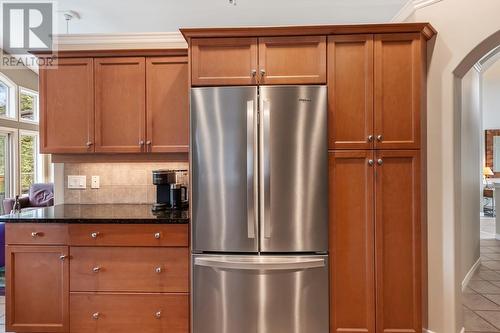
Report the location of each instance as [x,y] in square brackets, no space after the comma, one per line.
[471,272]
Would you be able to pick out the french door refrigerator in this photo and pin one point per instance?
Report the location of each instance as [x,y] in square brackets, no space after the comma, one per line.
[259,168]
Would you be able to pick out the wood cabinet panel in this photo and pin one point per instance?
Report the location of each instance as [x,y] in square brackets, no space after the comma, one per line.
[67,106]
[223,61]
[352,232]
[129,269]
[36,234]
[398,242]
[350,92]
[129,313]
[37,290]
[167,104]
[120,103]
[292,60]
[398,90]
[129,235]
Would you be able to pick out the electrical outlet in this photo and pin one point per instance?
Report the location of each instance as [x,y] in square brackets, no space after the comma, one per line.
[95,183]
[77,182]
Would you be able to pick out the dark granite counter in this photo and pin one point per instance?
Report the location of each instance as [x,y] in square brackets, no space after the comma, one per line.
[102,213]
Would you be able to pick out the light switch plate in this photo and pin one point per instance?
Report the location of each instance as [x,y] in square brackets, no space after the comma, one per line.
[95,183]
[77,182]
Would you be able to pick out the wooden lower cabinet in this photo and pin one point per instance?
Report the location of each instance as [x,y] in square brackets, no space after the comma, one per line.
[37,288]
[129,313]
[375,241]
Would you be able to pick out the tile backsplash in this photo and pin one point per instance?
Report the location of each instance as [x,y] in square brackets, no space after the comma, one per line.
[119,182]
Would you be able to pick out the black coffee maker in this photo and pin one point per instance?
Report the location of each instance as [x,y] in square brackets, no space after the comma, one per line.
[169,194]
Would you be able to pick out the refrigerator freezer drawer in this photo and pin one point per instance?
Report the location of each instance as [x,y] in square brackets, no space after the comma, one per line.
[260,294]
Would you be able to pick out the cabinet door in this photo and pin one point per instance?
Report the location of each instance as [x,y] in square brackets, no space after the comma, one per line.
[398,90]
[398,241]
[352,276]
[167,104]
[37,290]
[223,61]
[350,92]
[120,93]
[292,60]
[67,106]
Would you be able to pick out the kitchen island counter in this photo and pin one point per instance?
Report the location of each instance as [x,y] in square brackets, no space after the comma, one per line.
[98,213]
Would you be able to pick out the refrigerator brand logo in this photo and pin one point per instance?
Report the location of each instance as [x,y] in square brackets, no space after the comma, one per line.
[305,100]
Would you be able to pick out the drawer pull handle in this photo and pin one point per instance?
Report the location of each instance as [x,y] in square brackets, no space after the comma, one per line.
[94,234]
[380,138]
[158,270]
[158,314]
[380,161]
[36,234]
[96,315]
[96,269]
[64,256]
[157,235]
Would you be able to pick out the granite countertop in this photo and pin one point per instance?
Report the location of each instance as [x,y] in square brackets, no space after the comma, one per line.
[101,213]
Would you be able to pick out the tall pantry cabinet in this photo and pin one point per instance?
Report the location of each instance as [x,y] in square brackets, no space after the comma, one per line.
[376,96]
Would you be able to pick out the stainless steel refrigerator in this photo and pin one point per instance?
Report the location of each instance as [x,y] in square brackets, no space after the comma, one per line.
[259,168]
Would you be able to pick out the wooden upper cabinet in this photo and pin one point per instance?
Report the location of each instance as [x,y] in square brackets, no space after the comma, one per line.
[292,60]
[399,92]
[223,61]
[398,241]
[67,106]
[167,104]
[37,289]
[350,92]
[120,89]
[352,237]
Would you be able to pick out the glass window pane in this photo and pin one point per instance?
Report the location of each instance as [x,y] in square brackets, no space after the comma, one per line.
[27,106]
[3,169]
[4,98]
[28,167]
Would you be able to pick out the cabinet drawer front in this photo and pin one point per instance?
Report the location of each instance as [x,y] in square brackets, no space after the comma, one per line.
[36,233]
[129,313]
[129,235]
[131,269]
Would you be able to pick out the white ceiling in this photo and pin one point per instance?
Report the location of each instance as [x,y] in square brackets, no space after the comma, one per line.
[124,16]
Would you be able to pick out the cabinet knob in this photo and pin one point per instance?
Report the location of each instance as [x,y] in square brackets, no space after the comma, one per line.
[94,234]
[36,234]
[253,72]
[158,270]
[158,314]
[96,269]
[371,162]
[380,161]
[370,138]
[380,137]
[141,143]
[148,142]
[96,315]
[157,235]
[89,143]
[262,72]
[63,257]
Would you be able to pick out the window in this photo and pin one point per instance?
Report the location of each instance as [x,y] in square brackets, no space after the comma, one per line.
[28,159]
[4,168]
[28,105]
[7,97]
[4,98]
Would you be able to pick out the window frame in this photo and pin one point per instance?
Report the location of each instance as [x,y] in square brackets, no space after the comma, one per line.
[11,113]
[36,105]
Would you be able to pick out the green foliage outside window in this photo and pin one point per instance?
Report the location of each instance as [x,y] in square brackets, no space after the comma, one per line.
[26,104]
[27,162]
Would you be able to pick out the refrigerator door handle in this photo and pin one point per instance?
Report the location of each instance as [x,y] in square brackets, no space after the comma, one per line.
[265,169]
[252,201]
[260,263]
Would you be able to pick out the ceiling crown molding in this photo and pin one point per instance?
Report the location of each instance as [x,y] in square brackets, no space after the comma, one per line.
[410,7]
[160,40]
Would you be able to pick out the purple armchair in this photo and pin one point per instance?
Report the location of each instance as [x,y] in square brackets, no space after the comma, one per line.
[39,195]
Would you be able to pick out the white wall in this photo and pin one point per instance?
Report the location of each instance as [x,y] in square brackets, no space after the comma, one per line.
[461,25]
[491,97]
[470,170]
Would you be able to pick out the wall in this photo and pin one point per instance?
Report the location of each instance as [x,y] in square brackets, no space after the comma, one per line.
[461,25]
[491,97]
[470,170]
[120,182]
